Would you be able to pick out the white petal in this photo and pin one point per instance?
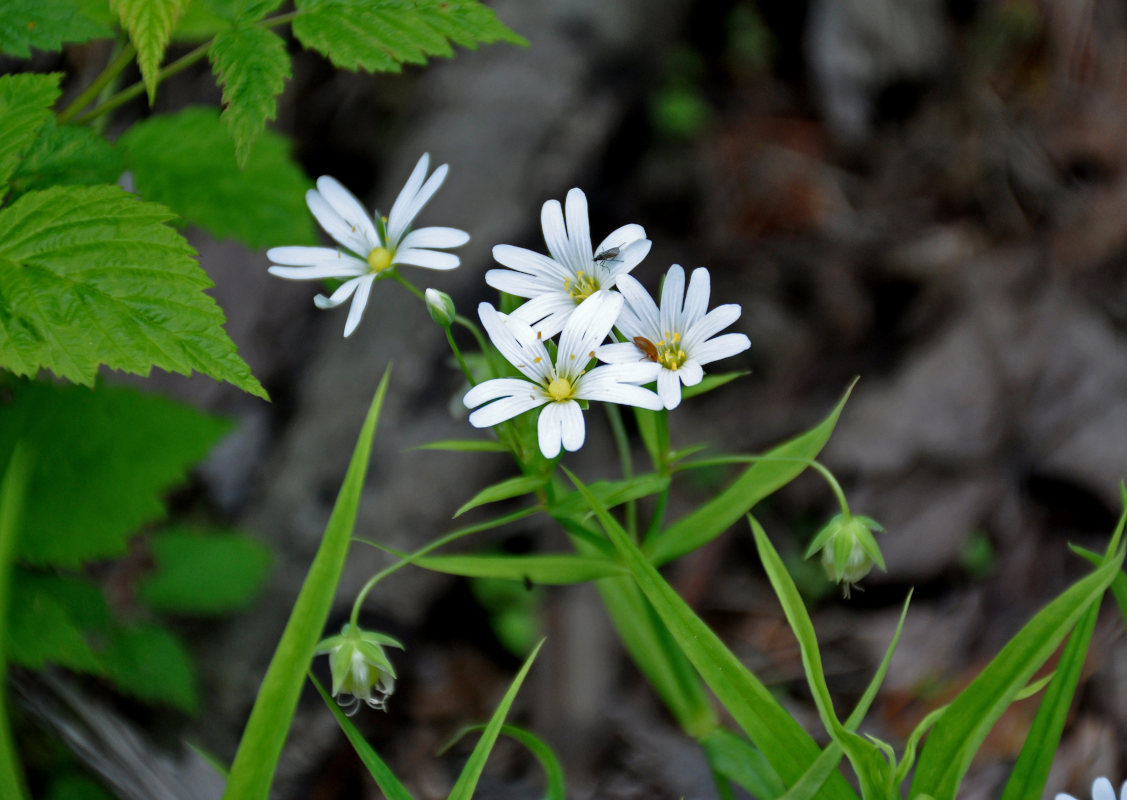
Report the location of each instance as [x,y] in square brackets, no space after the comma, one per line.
[1063,796]
[343,270]
[621,237]
[407,193]
[342,293]
[578,226]
[696,298]
[586,329]
[555,234]
[297,256]
[628,258]
[622,393]
[572,430]
[641,306]
[635,372]
[619,353]
[669,388]
[348,207]
[548,430]
[531,262]
[721,347]
[691,373]
[397,225]
[506,408]
[499,387]
[359,302]
[1102,789]
[431,259]
[546,314]
[709,325]
[435,237]
[345,232]
[672,300]
[511,282]
[517,343]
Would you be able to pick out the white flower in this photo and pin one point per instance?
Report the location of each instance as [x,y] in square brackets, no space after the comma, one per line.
[558,387]
[678,336]
[375,246]
[360,668]
[1101,790]
[574,272]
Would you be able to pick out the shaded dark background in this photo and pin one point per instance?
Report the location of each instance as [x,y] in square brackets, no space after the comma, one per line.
[928,194]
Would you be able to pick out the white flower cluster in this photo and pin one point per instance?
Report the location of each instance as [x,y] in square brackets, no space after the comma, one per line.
[1101,790]
[570,292]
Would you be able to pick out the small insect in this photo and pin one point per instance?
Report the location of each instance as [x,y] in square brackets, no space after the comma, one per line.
[606,256]
[646,346]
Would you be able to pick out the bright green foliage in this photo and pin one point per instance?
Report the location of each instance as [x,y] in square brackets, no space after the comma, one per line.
[25,107]
[46,25]
[149,663]
[67,154]
[203,572]
[103,459]
[382,35]
[50,621]
[149,23]
[504,490]
[187,161]
[253,66]
[91,275]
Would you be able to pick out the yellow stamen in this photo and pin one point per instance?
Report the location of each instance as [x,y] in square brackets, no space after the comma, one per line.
[669,352]
[560,389]
[582,287]
[379,260]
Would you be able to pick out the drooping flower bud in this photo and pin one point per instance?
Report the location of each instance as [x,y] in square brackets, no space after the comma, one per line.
[441,307]
[849,549]
[360,668]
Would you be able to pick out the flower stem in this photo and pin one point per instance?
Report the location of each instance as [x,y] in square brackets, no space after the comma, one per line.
[406,284]
[107,76]
[835,487]
[458,355]
[622,444]
[127,94]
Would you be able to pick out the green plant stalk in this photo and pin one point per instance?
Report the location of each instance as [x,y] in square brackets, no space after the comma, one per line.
[107,76]
[626,463]
[458,355]
[261,745]
[12,493]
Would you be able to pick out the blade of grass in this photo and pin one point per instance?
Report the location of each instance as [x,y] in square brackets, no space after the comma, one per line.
[261,745]
[553,772]
[12,493]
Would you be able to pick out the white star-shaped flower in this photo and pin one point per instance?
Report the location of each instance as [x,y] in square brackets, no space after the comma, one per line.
[374,246]
[574,272]
[680,337]
[1101,790]
[558,387]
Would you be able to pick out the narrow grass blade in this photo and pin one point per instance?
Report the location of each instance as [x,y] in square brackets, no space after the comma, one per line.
[553,772]
[261,746]
[787,747]
[471,772]
[756,482]
[735,758]
[551,570]
[505,490]
[12,493]
[381,772]
[465,446]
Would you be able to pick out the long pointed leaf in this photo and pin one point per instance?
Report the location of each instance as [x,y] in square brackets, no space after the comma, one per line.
[553,772]
[261,745]
[505,490]
[550,570]
[12,492]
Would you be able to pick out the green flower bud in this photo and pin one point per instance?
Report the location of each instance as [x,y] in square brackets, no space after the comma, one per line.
[849,549]
[441,307]
[360,668]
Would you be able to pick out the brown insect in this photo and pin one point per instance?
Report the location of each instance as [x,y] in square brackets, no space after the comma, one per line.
[646,346]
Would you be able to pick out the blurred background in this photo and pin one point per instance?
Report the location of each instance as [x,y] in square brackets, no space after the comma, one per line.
[930,194]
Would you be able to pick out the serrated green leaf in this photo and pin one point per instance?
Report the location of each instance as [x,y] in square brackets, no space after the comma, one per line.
[382,35]
[25,107]
[91,275]
[42,628]
[105,457]
[71,155]
[252,65]
[150,24]
[504,490]
[465,446]
[149,663]
[553,570]
[203,19]
[187,161]
[46,25]
[274,705]
[203,572]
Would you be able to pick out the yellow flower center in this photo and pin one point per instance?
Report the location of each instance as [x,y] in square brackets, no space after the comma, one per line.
[379,260]
[581,287]
[560,389]
[670,354]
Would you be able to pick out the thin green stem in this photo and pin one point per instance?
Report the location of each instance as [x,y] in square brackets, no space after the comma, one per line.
[281,19]
[108,75]
[412,288]
[458,355]
[622,444]
[127,94]
[658,517]
[835,487]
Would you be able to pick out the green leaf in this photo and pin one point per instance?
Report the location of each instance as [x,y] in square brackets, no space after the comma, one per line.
[187,161]
[381,772]
[959,733]
[471,772]
[382,35]
[203,572]
[787,747]
[552,570]
[710,382]
[756,482]
[204,19]
[505,490]
[91,275]
[734,758]
[151,664]
[465,446]
[75,786]
[105,457]
[610,494]
[252,65]
[540,749]
[67,154]
[13,491]
[274,705]
[25,107]
[42,628]
[150,24]
[1118,586]
[46,25]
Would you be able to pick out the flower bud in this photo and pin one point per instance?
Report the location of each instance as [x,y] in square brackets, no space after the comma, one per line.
[441,307]
[849,549]
[361,670]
